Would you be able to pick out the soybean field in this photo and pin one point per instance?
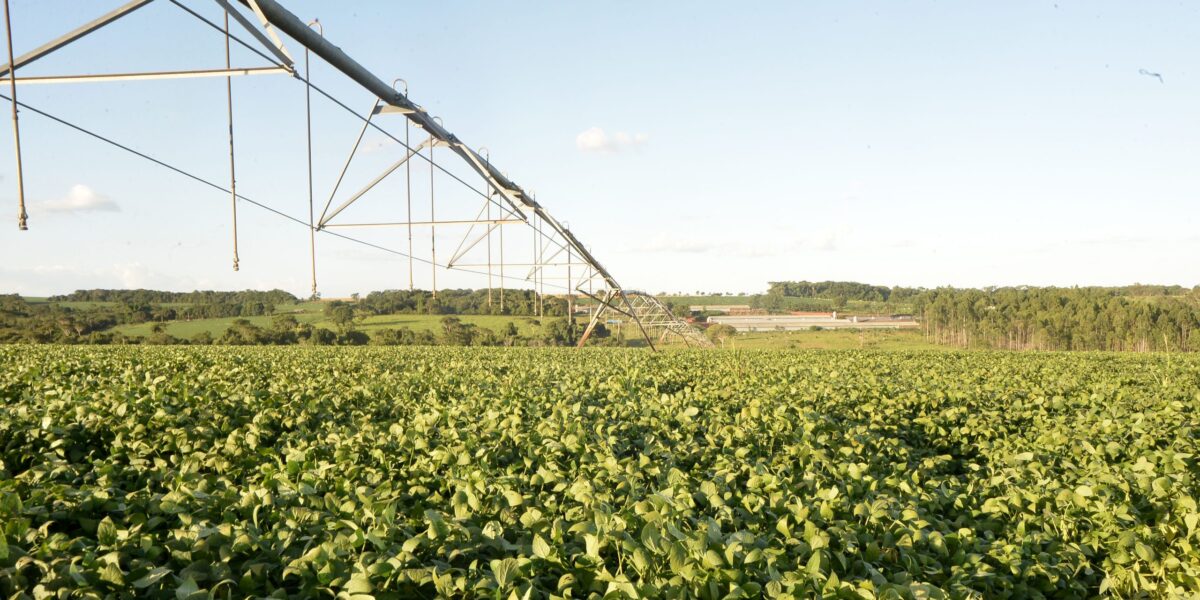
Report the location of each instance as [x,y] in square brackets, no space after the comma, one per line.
[197,472]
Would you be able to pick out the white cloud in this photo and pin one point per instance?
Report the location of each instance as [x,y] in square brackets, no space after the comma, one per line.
[79,199]
[595,139]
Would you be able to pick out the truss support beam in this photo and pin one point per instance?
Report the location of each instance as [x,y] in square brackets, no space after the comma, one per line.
[149,75]
[272,43]
[509,264]
[276,43]
[416,223]
[636,318]
[374,182]
[599,310]
[77,33]
[460,251]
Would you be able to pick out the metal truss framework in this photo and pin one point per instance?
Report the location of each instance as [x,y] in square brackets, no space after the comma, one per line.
[558,259]
[652,315]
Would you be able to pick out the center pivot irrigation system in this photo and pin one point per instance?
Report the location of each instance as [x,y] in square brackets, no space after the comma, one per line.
[556,254]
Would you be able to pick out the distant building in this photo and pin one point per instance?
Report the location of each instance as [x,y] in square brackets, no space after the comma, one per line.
[814,315]
[721,308]
[794,322]
[747,311]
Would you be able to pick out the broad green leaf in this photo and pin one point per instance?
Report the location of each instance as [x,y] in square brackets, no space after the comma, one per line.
[112,574]
[106,532]
[541,549]
[359,584]
[513,498]
[505,571]
[186,588]
[152,577]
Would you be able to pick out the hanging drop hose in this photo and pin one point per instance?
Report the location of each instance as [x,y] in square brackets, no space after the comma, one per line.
[232,168]
[408,201]
[432,220]
[312,232]
[407,189]
[488,189]
[22,216]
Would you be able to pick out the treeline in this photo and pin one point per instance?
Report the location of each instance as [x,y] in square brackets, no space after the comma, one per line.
[1137,318]
[848,290]
[53,322]
[50,323]
[92,321]
[22,321]
[161,297]
[460,302]
[140,306]
[853,290]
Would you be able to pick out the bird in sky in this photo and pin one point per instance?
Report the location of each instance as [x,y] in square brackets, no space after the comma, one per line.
[1149,74]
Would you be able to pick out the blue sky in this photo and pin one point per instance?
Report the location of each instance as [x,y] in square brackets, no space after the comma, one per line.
[693,146]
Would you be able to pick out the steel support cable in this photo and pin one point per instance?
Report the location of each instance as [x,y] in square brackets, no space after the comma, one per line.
[220,188]
[235,38]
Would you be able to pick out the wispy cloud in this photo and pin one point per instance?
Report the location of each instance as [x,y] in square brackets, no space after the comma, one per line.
[596,139]
[79,199]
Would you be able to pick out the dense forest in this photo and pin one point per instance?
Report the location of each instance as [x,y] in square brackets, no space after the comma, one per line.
[1140,318]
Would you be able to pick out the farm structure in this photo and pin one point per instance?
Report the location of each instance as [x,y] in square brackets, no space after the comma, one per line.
[720,308]
[796,322]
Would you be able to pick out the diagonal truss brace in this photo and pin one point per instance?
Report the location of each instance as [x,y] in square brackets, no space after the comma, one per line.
[272,44]
[73,35]
[370,185]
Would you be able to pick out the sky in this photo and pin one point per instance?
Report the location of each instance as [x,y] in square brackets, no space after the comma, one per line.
[691,146]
